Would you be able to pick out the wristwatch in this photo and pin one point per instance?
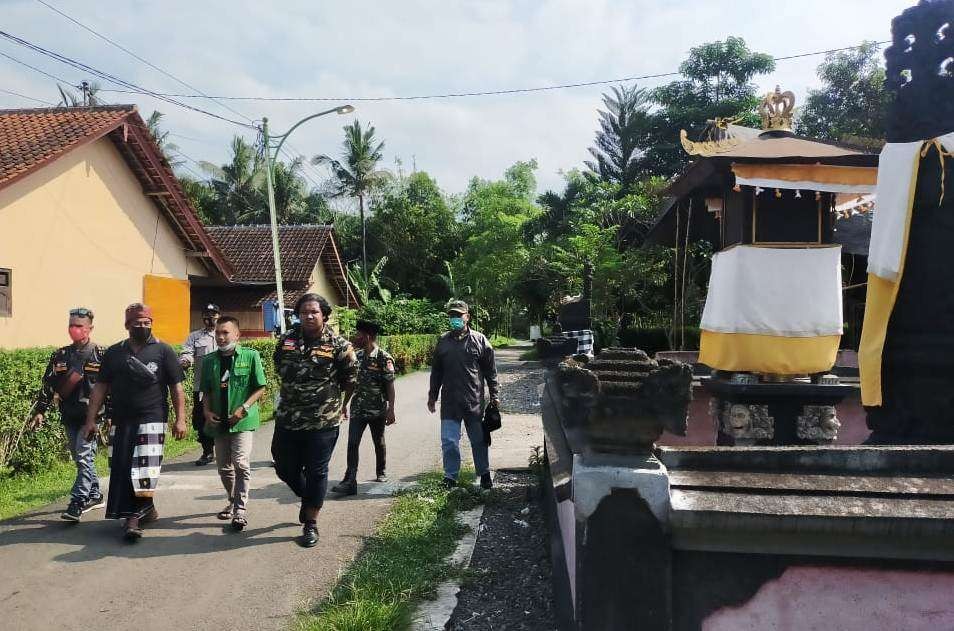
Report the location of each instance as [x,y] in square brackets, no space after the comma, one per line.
[246,407]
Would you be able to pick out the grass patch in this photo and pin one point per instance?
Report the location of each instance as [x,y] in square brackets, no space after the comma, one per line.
[401,564]
[502,341]
[530,355]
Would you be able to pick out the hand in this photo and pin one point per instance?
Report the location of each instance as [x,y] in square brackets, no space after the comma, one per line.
[179,430]
[237,415]
[184,363]
[389,419]
[211,417]
[495,402]
[88,430]
[37,421]
[431,406]
[345,413]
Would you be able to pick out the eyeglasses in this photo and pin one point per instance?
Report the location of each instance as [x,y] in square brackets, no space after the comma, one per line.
[81,312]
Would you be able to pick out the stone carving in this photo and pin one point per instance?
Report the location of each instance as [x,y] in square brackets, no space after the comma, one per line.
[818,423]
[747,424]
[622,400]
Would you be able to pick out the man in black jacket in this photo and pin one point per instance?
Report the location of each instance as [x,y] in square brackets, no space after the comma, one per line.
[69,377]
[463,361]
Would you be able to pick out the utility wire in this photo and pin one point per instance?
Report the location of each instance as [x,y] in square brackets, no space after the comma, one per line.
[488,92]
[133,88]
[29,98]
[137,57]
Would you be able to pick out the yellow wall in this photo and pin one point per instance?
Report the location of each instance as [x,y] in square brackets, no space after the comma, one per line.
[80,232]
[320,284]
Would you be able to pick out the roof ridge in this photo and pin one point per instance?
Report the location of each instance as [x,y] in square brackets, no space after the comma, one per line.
[68,108]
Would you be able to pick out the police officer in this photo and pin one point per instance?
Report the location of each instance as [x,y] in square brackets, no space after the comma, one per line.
[200,343]
[372,405]
[318,370]
[70,376]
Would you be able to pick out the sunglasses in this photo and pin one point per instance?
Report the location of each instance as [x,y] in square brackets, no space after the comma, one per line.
[81,312]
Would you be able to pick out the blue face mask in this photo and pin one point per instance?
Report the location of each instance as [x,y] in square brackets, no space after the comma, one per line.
[456,323]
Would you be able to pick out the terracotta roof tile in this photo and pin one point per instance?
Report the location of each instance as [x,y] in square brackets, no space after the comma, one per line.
[31,137]
[249,248]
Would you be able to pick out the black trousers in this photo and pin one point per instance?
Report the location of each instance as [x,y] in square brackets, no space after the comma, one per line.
[301,461]
[198,424]
[355,433]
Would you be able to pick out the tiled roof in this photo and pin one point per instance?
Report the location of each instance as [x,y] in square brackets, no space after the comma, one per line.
[249,248]
[249,251]
[33,138]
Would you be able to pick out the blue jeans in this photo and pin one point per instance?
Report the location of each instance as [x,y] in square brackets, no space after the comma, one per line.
[83,451]
[450,445]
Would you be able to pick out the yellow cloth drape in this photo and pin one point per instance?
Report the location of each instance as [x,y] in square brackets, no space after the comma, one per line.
[744,352]
[881,296]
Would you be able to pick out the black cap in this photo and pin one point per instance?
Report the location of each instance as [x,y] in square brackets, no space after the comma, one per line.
[368,326]
[211,308]
[457,306]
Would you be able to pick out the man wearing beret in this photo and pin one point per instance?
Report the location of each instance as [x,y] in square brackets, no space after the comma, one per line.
[372,405]
[138,373]
[463,361]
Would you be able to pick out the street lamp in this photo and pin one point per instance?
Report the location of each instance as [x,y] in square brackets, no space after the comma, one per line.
[270,159]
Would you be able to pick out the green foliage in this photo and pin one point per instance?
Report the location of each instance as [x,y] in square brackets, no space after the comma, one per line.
[853,102]
[410,352]
[405,315]
[401,564]
[625,125]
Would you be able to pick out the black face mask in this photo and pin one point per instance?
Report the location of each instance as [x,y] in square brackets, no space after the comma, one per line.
[140,334]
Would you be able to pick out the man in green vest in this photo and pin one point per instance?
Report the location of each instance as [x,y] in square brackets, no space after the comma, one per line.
[233,380]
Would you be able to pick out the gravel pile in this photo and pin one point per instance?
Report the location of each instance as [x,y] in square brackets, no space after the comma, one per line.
[520,387]
[511,586]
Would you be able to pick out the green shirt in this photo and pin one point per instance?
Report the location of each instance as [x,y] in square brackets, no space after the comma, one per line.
[246,376]
[376,371]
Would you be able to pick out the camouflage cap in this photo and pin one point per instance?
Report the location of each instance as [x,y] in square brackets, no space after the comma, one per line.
[457,306]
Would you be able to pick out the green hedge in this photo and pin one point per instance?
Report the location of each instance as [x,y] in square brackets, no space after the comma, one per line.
[22,370]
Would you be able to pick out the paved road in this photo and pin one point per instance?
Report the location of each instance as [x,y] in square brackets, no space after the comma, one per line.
[188,572]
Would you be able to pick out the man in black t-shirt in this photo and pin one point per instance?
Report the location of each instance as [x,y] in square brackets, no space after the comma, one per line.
[139,373]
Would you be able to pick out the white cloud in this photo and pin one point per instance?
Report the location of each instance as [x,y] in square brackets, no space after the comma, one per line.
[307,48]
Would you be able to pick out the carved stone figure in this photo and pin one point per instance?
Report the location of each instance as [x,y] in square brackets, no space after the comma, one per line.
[818,423]
[747,424]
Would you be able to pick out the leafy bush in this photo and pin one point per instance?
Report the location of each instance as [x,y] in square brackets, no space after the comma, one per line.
[655,339]
[396,317]
[410,352]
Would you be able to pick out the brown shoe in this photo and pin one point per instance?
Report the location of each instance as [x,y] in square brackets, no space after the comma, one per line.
[132,531]
[151,515]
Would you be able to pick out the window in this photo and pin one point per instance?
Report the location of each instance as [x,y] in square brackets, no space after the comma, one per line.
[6,293]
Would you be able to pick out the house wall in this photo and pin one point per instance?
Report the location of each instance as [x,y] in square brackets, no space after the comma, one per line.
[320,284]
[80,232]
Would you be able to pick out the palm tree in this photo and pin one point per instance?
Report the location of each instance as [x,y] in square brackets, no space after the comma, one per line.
[238,184]
[357,174]
[87,98]
[290,196]
[162,139]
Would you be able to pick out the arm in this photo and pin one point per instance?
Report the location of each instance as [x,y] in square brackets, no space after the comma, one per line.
[437,379]
[179,430]
[44,398]
[488,368]
[390,419]
[348,376]
[96,399]
[187,356]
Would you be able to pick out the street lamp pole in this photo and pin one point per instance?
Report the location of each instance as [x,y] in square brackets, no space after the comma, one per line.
[270,159]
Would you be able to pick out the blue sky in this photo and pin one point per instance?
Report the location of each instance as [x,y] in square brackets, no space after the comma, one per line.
[386,48]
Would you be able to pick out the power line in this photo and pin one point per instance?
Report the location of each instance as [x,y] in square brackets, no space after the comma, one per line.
[451,95]
[133,88]
[29,98]
[135,56]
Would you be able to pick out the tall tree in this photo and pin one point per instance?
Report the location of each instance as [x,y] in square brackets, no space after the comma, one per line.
[161,136]
[357,173]
[852,102]
[717,84]
[237,185]
[620,142]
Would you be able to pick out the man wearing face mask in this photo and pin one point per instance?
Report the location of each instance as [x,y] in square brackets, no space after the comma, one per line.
[318,370]
[139,373]
[462,362]
[200,343]
[70,377]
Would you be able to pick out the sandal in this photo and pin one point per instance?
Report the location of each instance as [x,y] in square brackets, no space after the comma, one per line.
[225,513]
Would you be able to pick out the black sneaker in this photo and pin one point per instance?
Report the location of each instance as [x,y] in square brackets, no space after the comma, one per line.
[309,535]
[346,487]
[204,460]
[486,482]
[73,512]
[449,483]
[93,502]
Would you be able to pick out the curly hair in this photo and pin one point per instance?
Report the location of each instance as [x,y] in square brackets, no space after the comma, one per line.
[323,303]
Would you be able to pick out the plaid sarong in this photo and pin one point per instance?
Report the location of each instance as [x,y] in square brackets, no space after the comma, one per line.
[146,457]
[584,340]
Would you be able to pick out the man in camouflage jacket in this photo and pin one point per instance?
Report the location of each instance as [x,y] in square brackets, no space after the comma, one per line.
[318,370]
[372,405]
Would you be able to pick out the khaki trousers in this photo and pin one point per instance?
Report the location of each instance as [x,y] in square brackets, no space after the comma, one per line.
[232,455]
